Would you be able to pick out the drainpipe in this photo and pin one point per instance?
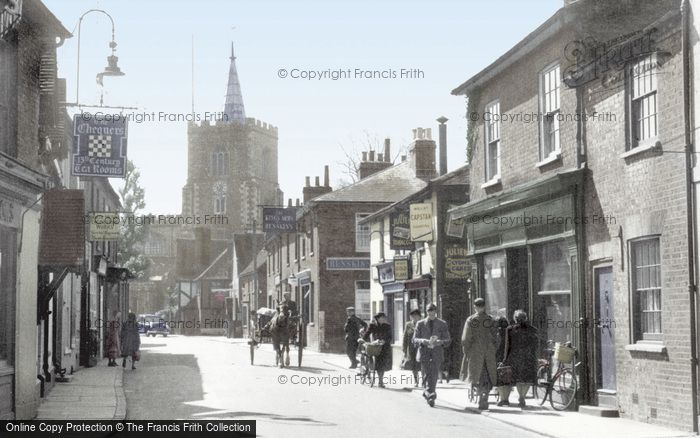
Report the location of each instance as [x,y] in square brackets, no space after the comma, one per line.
[690,196]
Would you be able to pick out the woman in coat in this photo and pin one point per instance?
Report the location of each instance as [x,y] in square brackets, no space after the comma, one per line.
[113,344]
[409,350]
[521,353]
[380,330]
[131,342]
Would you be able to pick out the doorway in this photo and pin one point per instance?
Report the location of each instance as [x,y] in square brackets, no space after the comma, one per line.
[605,331]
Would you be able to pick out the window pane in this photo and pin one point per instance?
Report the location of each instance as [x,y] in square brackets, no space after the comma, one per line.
[495,293]
[647,291]
[552,283]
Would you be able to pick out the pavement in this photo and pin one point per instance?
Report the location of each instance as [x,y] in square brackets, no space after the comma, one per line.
[95,393]
[215,380]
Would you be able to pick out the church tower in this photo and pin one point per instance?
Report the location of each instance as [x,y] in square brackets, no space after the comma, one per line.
[231,166]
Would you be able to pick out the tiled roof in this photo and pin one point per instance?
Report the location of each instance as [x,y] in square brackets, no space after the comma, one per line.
[260,260]
[389,185]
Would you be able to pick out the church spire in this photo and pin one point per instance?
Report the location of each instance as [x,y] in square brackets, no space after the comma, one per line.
[233,109]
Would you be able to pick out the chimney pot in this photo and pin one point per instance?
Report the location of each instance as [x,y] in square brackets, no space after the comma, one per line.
[387,150]
[428,133]
[442,140]
[318,184]
[297,202]
[326,176]
[371,155]
[380,157]
[364,156]
[308,181]
[289,202]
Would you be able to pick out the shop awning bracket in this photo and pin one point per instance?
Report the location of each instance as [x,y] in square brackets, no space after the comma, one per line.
[47,291]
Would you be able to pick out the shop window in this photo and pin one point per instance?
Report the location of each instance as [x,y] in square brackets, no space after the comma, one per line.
[495,291]
[646,289]
[399,317]
[552,284]
[8,255]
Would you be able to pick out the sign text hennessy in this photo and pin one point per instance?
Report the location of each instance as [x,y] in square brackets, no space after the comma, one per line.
[99,146]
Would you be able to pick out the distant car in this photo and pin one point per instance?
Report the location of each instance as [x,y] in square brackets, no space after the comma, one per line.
[158,328]
[145,322]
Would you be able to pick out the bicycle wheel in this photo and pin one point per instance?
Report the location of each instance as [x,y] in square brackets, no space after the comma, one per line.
[539,389]
[300,343]
[364,369]
[564,390]
[372,371]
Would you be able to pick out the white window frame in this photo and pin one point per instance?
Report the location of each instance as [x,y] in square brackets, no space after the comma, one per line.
[550,104]
[362,233]
[643,102]
[637,320]
[492,125]
[220,204]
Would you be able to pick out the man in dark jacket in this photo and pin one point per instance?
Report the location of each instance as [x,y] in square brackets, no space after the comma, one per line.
[352,334]
[431,336]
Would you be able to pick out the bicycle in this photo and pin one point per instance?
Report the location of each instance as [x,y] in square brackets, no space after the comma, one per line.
[561,387]
[368,360]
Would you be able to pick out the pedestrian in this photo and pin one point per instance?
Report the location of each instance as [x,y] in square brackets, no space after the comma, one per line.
[410,350]
[130,340]
[431,338]
[380,330]
[479,340]
[503,389]
[521,354]
[287,301]
[353,326]
[113,343]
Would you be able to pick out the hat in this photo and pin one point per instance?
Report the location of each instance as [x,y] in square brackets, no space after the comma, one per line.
[350,308]
[479,302]
[415,311]
[379,315]
[431,306]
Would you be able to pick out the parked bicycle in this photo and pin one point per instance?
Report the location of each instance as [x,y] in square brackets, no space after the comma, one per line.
[368,360]
[559,388]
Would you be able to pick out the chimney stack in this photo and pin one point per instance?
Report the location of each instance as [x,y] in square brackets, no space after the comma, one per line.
[442,135]
[371,155]
[297,202]
[364,156]
[422,154]
[318,183]
[326,177]
[387,150]
[308,181]
[310,192]
[380,157]
[289,202]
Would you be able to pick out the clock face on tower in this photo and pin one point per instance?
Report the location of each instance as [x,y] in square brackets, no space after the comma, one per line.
[219,188]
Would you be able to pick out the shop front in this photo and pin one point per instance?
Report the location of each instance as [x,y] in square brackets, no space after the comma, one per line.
[524,255]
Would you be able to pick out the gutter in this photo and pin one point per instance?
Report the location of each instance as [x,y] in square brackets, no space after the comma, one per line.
[691,220]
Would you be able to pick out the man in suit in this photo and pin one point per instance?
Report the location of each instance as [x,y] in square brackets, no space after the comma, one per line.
[352,334]
[431,337]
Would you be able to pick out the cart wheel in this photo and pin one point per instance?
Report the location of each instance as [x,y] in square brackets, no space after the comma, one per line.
[300,343]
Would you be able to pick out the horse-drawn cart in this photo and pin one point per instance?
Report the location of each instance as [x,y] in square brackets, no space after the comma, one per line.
[282,330]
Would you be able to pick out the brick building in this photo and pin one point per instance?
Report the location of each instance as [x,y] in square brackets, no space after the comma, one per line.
[231,167]
[578,203]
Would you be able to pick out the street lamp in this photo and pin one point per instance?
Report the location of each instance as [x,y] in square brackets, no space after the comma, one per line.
[112,68]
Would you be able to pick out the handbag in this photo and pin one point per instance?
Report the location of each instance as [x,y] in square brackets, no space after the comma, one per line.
[504,375]
[137,356]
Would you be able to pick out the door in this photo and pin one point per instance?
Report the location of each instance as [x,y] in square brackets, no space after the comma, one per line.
[605,329]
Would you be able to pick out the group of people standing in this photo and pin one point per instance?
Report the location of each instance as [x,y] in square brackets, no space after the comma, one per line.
[123,340]
[487,343]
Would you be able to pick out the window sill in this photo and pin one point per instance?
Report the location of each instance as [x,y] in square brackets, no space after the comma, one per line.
[6,370]
[549,160]
[644,147]
[647,347]
[491,183]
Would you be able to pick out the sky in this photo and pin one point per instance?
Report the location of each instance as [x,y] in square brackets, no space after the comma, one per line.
[444,42]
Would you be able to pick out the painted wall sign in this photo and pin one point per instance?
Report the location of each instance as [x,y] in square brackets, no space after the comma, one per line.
[457,265]
[347,263]
[421,219]
[99,146]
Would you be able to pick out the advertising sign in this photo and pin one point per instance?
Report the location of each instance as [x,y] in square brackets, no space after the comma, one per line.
[104,225]
[421,220]
[62,238]
[347,263]
[456,263]
[279,219]
[401,270]
[99,146]
[400,229]
[386,272]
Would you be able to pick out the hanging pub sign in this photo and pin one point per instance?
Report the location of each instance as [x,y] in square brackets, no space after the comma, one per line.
[279,219]
[455,227]
[386,272]
[421,221]
[456,263]
[400,229]
[99,145]
[401,269]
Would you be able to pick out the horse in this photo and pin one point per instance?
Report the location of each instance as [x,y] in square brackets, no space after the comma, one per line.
[281,330]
